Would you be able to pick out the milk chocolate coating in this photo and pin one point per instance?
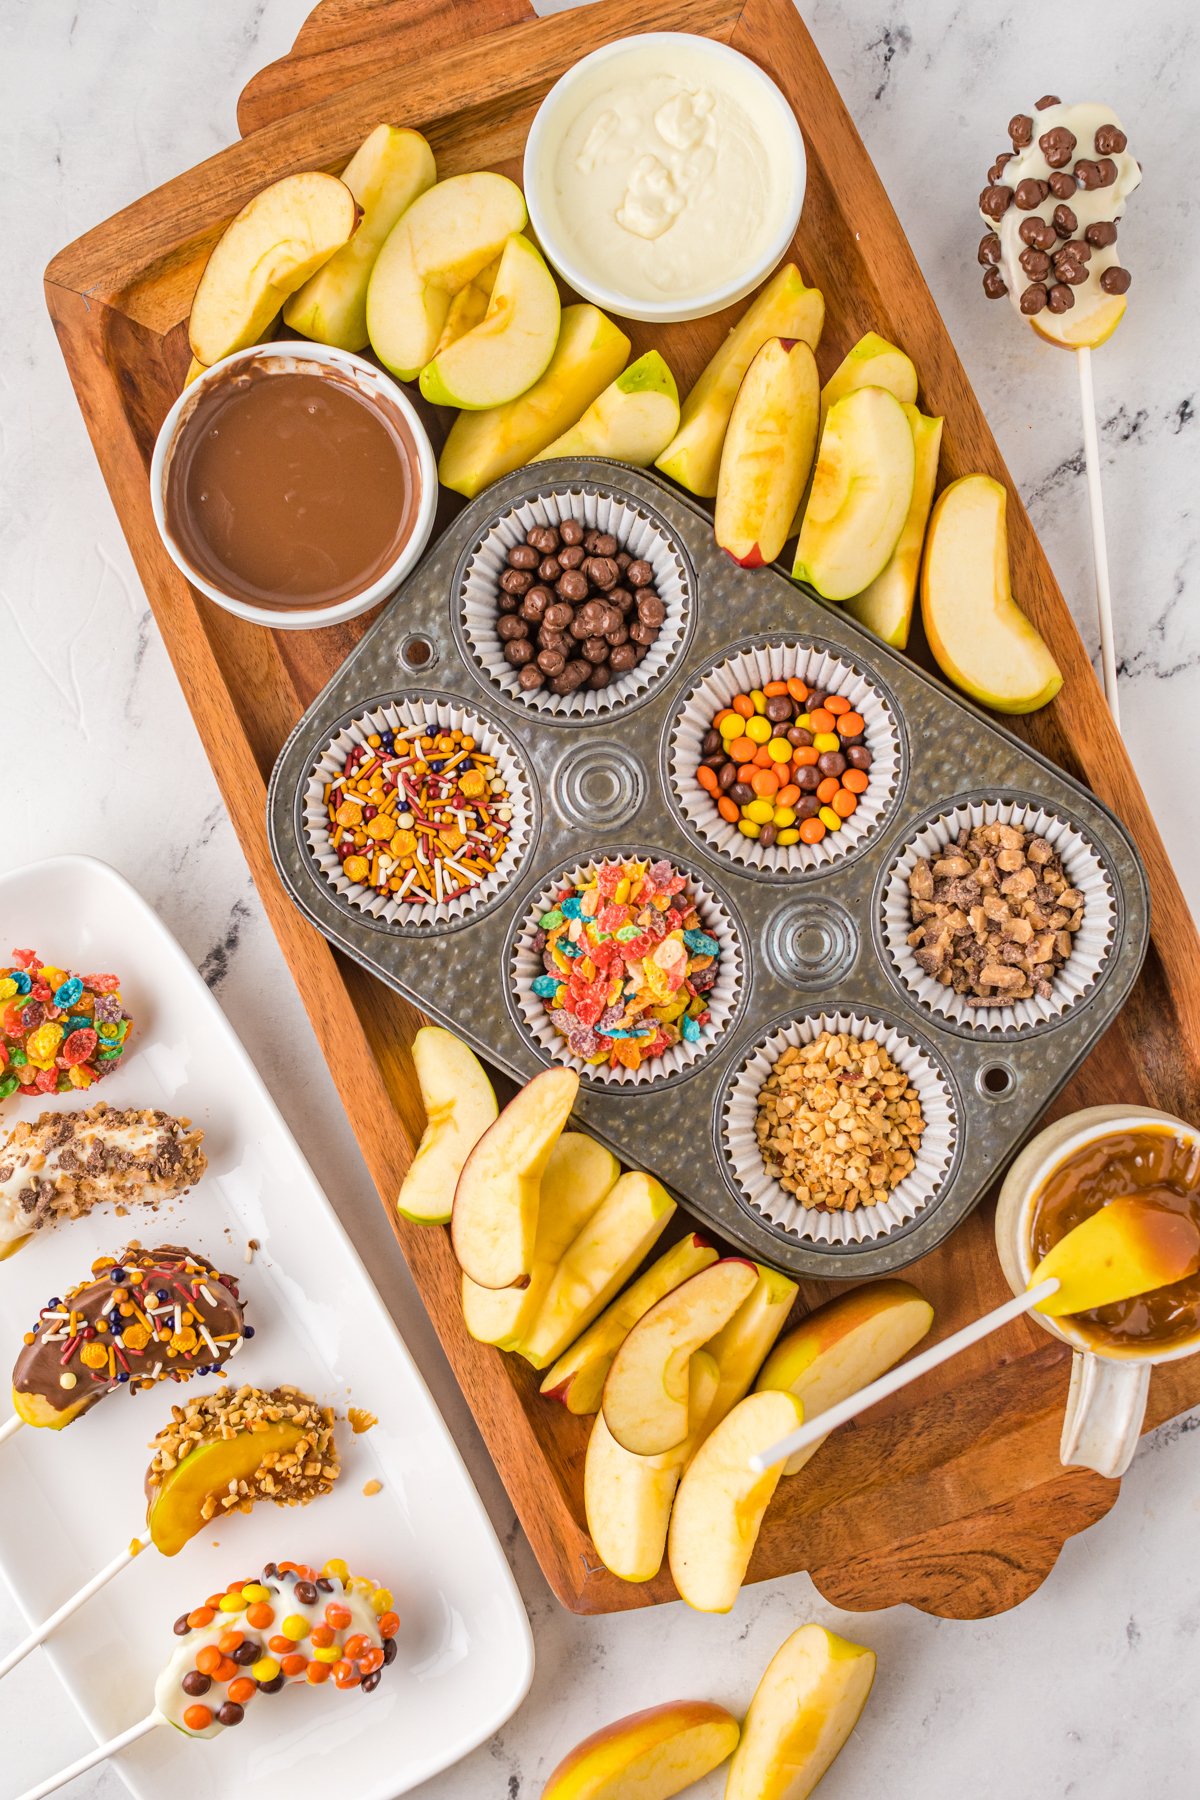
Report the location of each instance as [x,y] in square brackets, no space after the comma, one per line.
[146,1348]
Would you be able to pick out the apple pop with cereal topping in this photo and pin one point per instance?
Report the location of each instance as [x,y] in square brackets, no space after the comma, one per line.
[59,1033]
[1051,206]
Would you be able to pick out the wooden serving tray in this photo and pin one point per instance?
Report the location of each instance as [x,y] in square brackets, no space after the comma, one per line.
[951,1498]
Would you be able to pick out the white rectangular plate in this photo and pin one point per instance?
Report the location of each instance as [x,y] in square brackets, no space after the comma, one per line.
[71,1500]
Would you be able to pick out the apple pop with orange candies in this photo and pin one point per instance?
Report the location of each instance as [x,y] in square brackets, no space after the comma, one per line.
[1052,205]
[292,1627]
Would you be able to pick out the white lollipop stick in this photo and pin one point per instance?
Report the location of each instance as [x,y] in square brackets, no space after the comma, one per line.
[11,1425]
[99,1754]
[821,1424]
[1091,457]
[41,1632]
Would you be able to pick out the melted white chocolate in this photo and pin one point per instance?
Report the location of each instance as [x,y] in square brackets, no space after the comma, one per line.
[1089,205]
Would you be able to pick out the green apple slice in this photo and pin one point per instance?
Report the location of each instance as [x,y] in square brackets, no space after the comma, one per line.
[631,421]
[482,446]
[444,240]
[503,354]
[385,175]
[886,607]
[861,490]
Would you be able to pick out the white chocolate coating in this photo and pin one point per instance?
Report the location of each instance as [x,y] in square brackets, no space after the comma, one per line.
[169,1696]
[1089,205]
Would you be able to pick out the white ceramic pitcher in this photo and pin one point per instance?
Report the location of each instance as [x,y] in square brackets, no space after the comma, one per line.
[1107,1400]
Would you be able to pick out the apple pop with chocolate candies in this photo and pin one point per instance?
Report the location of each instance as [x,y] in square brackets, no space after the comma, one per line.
[1051,206]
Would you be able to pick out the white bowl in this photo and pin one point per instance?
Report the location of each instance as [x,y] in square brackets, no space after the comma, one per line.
[369,380]
[539,164]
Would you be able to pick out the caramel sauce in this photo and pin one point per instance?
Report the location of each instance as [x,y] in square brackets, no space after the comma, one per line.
[1160,1168]
[291,487]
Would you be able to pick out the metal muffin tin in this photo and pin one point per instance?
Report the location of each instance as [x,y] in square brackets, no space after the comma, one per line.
[811,942]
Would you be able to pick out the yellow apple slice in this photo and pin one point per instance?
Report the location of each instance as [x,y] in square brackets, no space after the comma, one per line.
[804,1708]
[721,1501]
[978,634]
[886,607]
[842,1346]
[577,1177]
[386,173]
[195,370]
[630,421]
[1071,331]
[873,362]
[578,1377]
[482,446]
[627,1499]
[650,1755]
[508,350]
[494,1222]
[861,490]
[276,242]
[741,1346]
[784,308]
[1131,1246]
[646,1393]
[443,241]
[768,452]
[177,1507]
[460,1104]
[599,1261]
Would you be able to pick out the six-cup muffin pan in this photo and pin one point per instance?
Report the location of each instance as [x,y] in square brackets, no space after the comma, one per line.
[812,938]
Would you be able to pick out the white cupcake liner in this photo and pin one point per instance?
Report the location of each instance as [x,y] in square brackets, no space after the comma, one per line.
[866,1224]
[753,668]
[724,999]
[1093,941]
[636,531]
[406,715]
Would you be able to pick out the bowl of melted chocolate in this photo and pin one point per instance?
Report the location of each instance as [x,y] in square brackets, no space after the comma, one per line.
[294,485]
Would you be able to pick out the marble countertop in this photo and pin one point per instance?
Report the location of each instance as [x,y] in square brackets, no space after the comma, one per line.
[1089,1687]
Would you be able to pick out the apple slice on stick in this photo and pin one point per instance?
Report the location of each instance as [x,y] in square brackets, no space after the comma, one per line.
[627,1499]
[978,634]
[768,452]
[650,1755]
[275,243]
[844,1344]
[646,1394]
[861,492]
[721,1501]
[624,1228]
[460,1104]
[578,1176]
[1130,1246]
[494,1222]
[578,1377]
[805,1707]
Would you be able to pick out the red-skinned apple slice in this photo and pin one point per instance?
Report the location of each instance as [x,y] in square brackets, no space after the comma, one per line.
[494,1223]
[768,452]
[650,1755]
[646,1394]
[578,1377]
[804,1708]
[843,1345]
[721,1501]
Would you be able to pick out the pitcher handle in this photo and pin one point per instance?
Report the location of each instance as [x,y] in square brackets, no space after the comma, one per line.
[1105,1409]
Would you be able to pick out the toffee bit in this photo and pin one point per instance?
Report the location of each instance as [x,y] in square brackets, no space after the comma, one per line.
[360,1419]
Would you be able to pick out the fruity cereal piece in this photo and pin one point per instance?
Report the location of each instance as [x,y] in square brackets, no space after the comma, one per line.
[58,1032]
